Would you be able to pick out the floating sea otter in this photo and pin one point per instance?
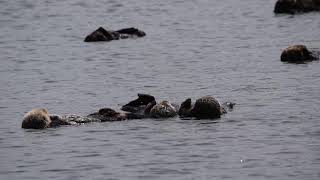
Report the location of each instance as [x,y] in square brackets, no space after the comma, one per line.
[162,110]
[294,6]
[40,119]
[143,103]
[297,53]
[102,34]
[206,107]
[146,106]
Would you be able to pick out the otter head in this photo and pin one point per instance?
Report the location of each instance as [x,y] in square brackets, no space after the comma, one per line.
[206,107]
[36,119]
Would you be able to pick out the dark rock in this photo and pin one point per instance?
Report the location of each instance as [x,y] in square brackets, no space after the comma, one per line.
[297,53]
[293,6]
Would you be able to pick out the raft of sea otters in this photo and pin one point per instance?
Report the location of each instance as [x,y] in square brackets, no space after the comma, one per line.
[145,106]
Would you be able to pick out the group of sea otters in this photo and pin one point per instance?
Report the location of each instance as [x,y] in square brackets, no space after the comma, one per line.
[145,106]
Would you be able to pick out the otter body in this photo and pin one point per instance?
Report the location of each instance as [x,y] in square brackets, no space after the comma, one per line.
[206,107]
[102,34]
[297,53]
[294,6]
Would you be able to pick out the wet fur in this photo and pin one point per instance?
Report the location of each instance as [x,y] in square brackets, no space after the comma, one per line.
[36,119]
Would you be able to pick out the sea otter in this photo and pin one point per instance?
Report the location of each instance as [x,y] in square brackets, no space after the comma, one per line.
[206,107]
[139,105]
[40,119]
[163,110]
[297,53]
[293,6]
[36,119]
[102,34]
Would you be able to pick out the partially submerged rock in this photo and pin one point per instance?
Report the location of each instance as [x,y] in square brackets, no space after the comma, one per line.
[102,34]
[297,53]
[294,6]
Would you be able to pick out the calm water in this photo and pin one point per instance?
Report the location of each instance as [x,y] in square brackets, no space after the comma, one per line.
[229,49]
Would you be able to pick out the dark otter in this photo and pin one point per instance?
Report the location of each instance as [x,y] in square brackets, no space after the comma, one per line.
[293,6]
[297,53]
[139,105]
[185,108]
[205,107]
[102,34]
[132,31]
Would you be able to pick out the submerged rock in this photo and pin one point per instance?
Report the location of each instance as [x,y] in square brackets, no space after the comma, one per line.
[297,53]
[102,34]
[294,6]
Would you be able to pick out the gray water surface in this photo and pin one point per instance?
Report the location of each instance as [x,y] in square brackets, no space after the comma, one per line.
[229,49]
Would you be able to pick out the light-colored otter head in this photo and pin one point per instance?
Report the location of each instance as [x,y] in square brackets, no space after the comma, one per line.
[36,119]
[167,104]
[163,110]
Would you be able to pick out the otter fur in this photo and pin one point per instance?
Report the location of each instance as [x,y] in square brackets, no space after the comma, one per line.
[36,119]
[206,107]
[297,53]
[163,110]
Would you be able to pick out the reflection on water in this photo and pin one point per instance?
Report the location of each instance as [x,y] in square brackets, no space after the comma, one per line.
[229,49]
